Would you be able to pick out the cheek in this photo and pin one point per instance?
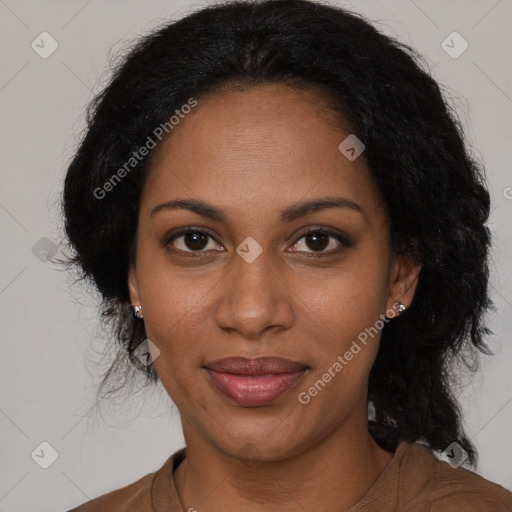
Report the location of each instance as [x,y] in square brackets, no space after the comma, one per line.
[345,301]
[337,382]
[169,296]
[342,316]
[177,332]
[174,320]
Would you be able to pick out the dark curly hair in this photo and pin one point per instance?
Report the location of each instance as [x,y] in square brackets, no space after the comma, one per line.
[434,189]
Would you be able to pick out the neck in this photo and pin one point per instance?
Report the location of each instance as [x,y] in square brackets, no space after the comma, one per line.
[333,474]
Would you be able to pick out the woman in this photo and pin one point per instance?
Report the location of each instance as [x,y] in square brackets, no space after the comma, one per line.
[287,230]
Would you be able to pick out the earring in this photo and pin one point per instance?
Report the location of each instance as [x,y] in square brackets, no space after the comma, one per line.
[138,311]
[400,308]
[391,313]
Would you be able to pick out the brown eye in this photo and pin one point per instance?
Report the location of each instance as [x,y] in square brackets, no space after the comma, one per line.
[318,242]
[193,240]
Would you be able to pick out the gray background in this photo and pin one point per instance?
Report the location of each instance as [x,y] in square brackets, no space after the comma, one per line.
[50,339]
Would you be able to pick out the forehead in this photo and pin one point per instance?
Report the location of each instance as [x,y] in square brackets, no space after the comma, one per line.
[255,148]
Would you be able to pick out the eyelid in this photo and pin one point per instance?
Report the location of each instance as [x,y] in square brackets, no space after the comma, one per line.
[343,238]
[333,232]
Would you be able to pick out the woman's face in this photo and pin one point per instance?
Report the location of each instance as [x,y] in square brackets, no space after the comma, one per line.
[248,281]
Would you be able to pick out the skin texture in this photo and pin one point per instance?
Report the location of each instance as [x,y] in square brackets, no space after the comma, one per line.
[254,153]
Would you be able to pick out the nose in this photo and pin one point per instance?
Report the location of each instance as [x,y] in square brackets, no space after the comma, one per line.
[254,299]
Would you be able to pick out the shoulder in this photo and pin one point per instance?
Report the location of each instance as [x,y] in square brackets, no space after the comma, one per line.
[135,496]
[461,489]
[448,489]
[139,495]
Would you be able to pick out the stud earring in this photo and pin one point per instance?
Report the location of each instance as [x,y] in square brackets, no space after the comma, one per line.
[391,313]
[138,311]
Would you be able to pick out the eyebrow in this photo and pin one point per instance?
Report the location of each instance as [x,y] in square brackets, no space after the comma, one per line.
[293,212]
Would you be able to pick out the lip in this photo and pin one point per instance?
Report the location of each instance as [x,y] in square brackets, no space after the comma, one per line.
[257,366]
[254,382]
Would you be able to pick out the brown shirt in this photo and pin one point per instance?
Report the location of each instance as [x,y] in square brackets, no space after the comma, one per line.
[413,481]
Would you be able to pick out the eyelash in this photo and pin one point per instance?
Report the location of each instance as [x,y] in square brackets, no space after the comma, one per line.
[344,240]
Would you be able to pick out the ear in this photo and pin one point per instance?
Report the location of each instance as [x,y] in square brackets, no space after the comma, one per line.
[403,280]
[133,286]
